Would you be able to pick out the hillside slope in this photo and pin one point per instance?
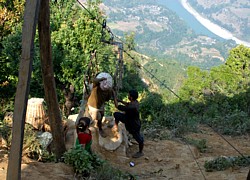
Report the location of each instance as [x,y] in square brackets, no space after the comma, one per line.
[161,33]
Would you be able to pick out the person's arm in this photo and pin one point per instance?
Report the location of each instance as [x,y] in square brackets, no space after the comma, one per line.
[115,98]
[98,80]
[123,102]
[128,107]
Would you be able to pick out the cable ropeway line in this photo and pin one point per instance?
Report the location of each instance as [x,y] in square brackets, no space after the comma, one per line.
[161,83]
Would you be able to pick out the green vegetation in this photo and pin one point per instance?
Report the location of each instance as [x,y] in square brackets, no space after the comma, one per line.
[90,166]
[5,131]
[82,161]
[218,97]
[221,96]
[200,144]
[106,171]
[32,146]
[168,72]
[160,33]
[223,163]
[73,42]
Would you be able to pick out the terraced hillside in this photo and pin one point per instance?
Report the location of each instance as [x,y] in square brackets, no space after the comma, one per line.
[161,33]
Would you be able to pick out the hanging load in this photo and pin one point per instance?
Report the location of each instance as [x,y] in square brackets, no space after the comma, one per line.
[105,84]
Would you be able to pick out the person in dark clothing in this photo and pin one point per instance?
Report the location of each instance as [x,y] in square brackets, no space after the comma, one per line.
[131,118]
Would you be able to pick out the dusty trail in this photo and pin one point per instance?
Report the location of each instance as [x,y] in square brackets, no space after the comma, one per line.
[164,159]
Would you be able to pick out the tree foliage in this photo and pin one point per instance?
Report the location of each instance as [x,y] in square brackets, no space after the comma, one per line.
[11,13]
[76,33]
[223,93]
[75,41]
[220,95]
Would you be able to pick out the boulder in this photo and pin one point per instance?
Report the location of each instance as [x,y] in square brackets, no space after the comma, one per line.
[114,142]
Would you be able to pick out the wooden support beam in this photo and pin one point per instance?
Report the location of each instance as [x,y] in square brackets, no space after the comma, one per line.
[28,32]
[49,80]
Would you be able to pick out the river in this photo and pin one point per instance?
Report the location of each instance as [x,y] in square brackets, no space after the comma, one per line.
[199,24]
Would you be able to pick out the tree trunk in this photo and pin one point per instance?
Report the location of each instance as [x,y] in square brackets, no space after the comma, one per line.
[48,79]
[23,87]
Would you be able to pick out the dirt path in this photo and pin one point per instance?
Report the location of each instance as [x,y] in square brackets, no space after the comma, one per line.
[164,159]
[174,160]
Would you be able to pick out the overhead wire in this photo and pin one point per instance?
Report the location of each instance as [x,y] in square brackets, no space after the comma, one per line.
[162,83]
[195,160]
[111,42]
[103,24]
[168,88]
[153,76]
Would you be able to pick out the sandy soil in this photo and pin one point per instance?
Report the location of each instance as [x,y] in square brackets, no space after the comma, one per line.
[164,159]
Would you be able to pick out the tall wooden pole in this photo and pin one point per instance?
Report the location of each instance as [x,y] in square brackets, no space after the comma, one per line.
[28,32]
[49,80]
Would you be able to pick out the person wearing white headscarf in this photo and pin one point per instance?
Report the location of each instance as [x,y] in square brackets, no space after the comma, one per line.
[101,92]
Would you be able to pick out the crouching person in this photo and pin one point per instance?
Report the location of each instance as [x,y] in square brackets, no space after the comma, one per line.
[131,118]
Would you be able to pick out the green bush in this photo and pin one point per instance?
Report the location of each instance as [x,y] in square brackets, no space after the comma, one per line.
[223,163]
[90,166]
[5,131]
[33,148]
[107,172]
[81,160]
[200,144]
[219,164]
[235,123]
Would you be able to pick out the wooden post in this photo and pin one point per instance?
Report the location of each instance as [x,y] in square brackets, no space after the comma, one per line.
[48,79]
[20,106]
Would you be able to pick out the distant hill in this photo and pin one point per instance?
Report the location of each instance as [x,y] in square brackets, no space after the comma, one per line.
[160,74]
[162,34]
[230,14]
